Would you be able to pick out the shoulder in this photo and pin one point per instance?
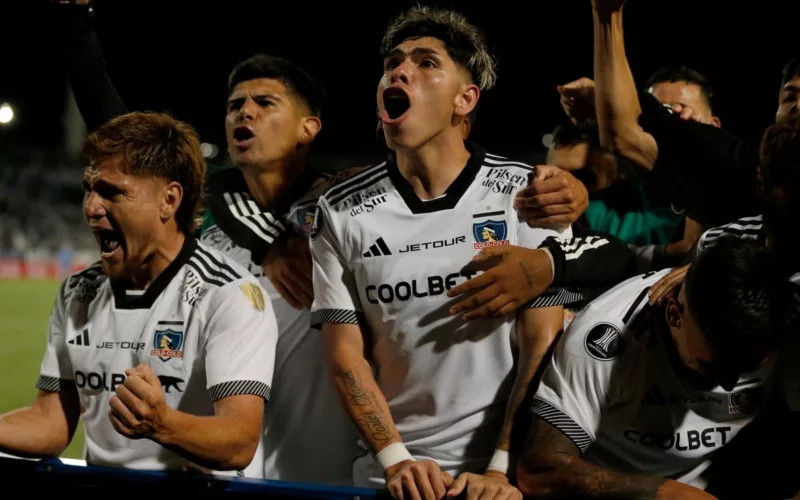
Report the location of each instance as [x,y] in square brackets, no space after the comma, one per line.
[498,163]
[225,280]
[326,180]
[213,236]
[213,267]
[83,286]
[610,325]
[744,228]
[355,185]
[504,175]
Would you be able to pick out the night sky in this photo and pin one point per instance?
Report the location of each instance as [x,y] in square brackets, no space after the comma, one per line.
[176,56]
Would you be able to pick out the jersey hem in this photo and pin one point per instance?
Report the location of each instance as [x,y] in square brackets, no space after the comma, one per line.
[239,388]
[562,422]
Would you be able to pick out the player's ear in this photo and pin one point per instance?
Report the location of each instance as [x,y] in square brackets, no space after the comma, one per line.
[466,100]
[310,127]
[673,312]
[173,194]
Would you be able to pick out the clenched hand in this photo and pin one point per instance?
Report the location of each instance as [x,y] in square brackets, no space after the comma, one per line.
[139,407]
[554,198]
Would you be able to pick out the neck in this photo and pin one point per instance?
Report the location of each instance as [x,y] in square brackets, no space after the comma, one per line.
[431,168]
[269,185]
[166,251]
[697,381]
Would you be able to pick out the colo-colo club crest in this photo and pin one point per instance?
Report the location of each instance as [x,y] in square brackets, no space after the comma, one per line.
[490,232]
[167,344]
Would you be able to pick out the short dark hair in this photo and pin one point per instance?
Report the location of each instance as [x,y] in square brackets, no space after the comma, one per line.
[569,134]
[679,73]
[780,155]
[740,299]
[155,145]
[464,42]
[791,70]
[296,79]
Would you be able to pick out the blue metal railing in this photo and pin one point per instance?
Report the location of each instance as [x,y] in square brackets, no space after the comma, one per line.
[28,478]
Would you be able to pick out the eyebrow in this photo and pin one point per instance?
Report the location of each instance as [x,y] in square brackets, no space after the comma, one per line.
[417,51]
[790,87]
[99,184]
[241,97]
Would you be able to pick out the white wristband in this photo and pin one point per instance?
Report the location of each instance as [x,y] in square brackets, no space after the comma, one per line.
[393,454]
[500,461]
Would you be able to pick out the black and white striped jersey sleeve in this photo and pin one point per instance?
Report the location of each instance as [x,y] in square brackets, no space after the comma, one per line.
[589,261]
[241,335]
[56,369]
[750,228]
[573,390]
[248,224]
[336,297]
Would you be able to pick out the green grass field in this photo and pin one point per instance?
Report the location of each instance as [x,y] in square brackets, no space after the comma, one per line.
[24,316]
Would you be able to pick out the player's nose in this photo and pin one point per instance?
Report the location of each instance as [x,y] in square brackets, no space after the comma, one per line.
[248,111]
[402,73]
[93,207]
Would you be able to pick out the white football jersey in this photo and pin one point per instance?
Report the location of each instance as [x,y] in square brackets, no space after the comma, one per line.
[308,437]
[615,387]
[747,228]
[203,326]
[384,259]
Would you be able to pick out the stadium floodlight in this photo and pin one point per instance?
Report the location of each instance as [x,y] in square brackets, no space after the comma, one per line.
[209,150]
[6,113]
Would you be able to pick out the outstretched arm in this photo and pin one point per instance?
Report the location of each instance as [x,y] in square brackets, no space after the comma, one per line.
[356,386]
[616,97]
[97,98]
[44,429]
[551,467]
[364,401]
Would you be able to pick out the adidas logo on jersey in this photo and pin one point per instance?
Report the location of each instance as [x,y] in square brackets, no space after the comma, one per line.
[81,339]
[378,249]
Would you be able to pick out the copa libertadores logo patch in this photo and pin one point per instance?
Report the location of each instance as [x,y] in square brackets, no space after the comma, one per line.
[604,342]
[318,224]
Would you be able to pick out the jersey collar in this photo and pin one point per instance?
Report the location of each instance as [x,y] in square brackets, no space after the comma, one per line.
[453,194]
[232,180]
[146,300]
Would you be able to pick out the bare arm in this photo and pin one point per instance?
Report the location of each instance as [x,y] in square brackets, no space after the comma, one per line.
[552,468]
[616,97]
[226,441]
[536,331]
[95,94]
[356,386]
[44,429]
